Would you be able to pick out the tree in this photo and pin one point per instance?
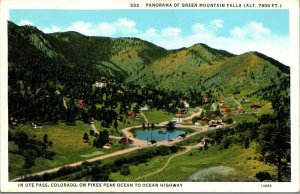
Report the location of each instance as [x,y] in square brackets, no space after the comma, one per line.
[46,140]
[144,126]
[274,147]
[101,139]
[170,126]
[86,137]
[92,132]
[29,156]
[116,124]
[50,143]
[246,143]
[152,126]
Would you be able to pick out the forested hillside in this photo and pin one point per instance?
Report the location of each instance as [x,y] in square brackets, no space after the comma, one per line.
[49,73]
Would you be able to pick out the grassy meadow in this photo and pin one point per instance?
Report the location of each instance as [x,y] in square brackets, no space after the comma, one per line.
[156,116]
[181,167]
[68,144]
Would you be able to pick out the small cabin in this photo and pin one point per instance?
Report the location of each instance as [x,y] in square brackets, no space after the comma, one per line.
[108,144]
[152,143]
[80,104]
[125,140]
[37,125]
[100,84]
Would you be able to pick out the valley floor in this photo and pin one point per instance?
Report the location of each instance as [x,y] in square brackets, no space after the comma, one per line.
[71,150]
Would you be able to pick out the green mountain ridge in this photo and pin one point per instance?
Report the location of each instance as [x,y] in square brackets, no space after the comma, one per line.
[135,61]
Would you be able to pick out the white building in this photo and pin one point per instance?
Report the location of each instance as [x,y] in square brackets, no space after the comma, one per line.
[176,120]
[186,104]
[144,108]
[100,84]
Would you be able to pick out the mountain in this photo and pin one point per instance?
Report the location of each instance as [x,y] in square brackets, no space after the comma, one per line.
[135,61]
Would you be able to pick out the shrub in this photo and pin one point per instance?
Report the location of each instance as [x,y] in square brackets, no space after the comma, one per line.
[99,174]
[125,170]
[226,141]
[49,155]
[246,143]
[47,176]
[229,120]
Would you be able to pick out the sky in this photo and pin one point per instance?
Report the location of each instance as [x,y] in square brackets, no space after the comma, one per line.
[237,31]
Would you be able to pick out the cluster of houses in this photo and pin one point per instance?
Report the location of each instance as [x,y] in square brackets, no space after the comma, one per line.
[216,123]
[224,109]
[213,123]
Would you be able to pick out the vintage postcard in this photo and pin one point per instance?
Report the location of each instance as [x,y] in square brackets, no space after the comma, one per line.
[149,96]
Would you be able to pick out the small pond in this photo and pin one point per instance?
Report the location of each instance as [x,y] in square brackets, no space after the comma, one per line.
[157,134]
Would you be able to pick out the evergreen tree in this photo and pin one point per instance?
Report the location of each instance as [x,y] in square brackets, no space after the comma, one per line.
[86,137]
[101,139]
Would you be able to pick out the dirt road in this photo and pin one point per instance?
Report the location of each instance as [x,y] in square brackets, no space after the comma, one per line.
[88,160]
[188,148]
[193,115]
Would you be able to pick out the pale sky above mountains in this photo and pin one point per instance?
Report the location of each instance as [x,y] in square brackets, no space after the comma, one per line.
[237,31]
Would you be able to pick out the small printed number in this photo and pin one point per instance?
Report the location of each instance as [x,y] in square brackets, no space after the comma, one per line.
[134,5]
[266,185]
[264,5]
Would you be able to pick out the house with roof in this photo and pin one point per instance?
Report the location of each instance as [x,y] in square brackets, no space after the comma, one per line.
[125,140]
[13,122]
[255,106]
[100,84]
[186,104]
[205,119]
[240,111]
[221,102]
[144,108]
[181,112]
[225,109]
[80,103]
[108,144]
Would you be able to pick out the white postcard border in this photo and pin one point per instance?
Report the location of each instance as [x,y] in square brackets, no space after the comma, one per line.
[292,5]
